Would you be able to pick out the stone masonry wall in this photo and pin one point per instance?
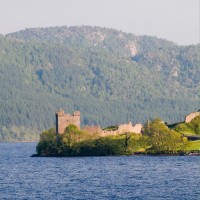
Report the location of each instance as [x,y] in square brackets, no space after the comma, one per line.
[191,116]
[123,128]
[63,120]
[92,129]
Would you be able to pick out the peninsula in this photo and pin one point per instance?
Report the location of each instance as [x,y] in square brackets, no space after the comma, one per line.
[155,137]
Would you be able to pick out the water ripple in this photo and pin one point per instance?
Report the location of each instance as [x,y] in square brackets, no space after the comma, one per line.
[122,177]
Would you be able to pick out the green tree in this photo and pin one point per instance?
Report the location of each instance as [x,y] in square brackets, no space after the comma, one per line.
[48,143]
[71,135]
[162,139]
[195,124]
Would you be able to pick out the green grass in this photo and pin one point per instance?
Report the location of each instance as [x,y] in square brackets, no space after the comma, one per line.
[187,132]
[137,143]
[193,145]
[183,128]
[191,128]
[111,128]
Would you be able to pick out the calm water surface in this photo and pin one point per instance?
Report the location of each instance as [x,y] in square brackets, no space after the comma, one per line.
[23,177]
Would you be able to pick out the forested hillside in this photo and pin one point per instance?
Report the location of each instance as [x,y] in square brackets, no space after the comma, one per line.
[110,76]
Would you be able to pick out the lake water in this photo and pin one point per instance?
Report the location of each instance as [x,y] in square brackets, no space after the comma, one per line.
[121,177]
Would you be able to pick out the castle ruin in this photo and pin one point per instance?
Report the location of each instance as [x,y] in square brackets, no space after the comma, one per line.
[122,128]
[63,120]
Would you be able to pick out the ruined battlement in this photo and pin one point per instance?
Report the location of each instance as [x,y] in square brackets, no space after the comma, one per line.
[123,128]
[64,119]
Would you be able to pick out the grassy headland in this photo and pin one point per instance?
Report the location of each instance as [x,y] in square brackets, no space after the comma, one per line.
[157,138]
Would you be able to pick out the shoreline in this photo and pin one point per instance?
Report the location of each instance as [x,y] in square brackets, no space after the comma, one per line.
[18,142]
[150,155]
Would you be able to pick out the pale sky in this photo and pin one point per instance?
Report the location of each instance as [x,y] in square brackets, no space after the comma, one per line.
[175,20]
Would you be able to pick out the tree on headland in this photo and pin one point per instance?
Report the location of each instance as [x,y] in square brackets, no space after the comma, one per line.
[162,139]
[71,135]
[48,143]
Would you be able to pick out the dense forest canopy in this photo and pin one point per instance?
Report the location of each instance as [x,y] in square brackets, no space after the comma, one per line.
[112,77]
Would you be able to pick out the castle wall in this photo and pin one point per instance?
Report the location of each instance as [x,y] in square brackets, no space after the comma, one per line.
[123,128]
[92,129]
[137,128]
[191,116]
[63,120]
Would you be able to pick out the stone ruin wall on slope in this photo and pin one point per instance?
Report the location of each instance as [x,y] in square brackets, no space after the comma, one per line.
[191,116]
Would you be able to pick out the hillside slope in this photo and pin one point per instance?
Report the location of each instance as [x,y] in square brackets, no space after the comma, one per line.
[110,76]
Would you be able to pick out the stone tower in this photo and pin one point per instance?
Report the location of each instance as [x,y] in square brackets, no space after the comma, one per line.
[63,120]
